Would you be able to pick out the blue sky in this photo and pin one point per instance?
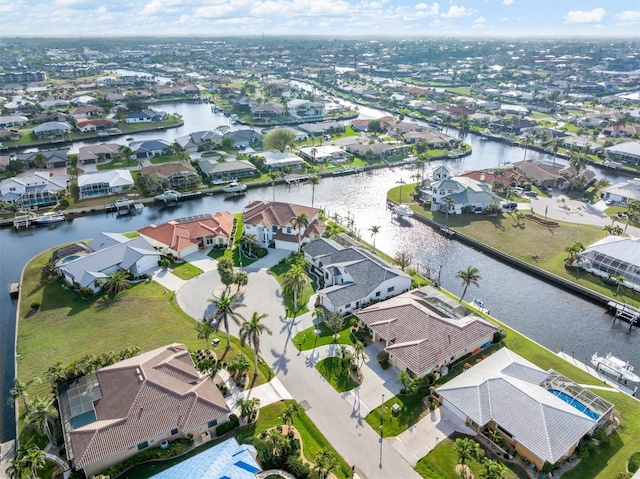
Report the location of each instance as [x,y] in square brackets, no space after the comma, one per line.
[489,18]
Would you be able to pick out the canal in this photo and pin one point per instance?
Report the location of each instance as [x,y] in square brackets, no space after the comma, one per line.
[543,312]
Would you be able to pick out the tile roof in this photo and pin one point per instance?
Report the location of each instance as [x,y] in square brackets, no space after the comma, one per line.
[270,213]
[422,337]
[143,397]
[181,235]
[506,388]
[165,170]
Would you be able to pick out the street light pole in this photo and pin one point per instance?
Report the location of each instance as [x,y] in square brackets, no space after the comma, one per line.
[381,416]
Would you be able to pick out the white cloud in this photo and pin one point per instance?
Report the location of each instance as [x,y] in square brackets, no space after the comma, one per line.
[480,20]
[628,16]
[456,11]
[581,16]
[507,2]
[102,9]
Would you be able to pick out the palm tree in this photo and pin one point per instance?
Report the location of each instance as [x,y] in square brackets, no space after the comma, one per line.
[318,313]
[299,222]
[204,332]
[227,272]
[274,175]
[125,151]
[314,180]
[250,332]
[325,461]
[466,449]
[40,161]
[527,141]
[294,280]
[41,417]
[117,282]
[248,407]
[240,279]
[404,379]
[18,467]
[290,412]
[468,276]
[35,459]
[374,231]
[493,470]
[358,353]
[19,391]
[401,182]
[449,204]
[226,306]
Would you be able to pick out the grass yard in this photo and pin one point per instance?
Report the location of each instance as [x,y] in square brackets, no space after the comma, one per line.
[184,270]
[279,271]
[336,374]
[158,160]
[121,162]
[307,339]
[412,409]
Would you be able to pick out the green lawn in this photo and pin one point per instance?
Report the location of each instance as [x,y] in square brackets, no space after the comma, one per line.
[118,163]
[307,339]
[278,271]
[336,374]
[185,270]
[157,160]
[412,409]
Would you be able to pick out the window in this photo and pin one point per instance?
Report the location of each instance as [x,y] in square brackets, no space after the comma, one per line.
[143,445]
[274,228]
[348,305]
[289,230]
[212,423]
[390,289]
[174,431]
[377,294]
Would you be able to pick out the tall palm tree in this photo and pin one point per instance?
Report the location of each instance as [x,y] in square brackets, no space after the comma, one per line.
[226,306]
[401,182]
[250,332]
[290,412]
[125,151]
[18,467]
[449,204]
[299,222]
[40,161]
[358,353]
[468,276]
[578,162]
[41,417]
[204,332]
[35,459]
[374,231]
[248,407]
[314,180]
[493,470]
[466,449]
[294,280]
[19,391]
[274,175]
[117,282]
[240,279]
[325,461]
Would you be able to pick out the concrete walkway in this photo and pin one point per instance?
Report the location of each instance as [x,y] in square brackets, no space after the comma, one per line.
[7,453]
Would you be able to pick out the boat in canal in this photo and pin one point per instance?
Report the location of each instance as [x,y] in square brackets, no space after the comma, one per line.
[403,210]
[47,219]
[168,195]
[234,187]
[479,305]
[615,366]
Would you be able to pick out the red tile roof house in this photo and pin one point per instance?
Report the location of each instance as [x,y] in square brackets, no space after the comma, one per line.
[421,339]
[180,238]
[137,403]
[271,224]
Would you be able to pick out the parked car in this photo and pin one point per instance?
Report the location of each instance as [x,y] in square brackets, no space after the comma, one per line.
[531,194]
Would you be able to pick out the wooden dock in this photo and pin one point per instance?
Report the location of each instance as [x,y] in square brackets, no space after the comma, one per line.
[14,290]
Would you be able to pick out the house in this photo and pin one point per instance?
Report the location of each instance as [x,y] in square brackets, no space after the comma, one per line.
[176,175]
[146,116]
[181,237]
[108,253]
[13,120]
[50,116]
[148,148]
[353,277]
[613,257]
[363,124]
[98,153]
[221,172]
[457,112]
[510,395]
[244,104]
[433,139]
[88,111]
[619,131]
[104,183]
[508,179]
[465,192]
[4,162]
[322,128]
[549,175]
[623,192]
[627,151]
[378,150]
[323,153]
[271,224]
[137,403]
[192,141]
[10,134]
[51,128]
[33,190]
[229,460]
[305,110]
[98,124]
[53,158]
[586,144]
[244,137]
[277,160]
[270,111]
[419,334]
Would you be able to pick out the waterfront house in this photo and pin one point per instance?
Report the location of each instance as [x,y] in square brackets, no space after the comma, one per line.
[324,153]
[51,128]
[93,154]
[623,192]
[221,172]
[108,252]
[33,189]
[277,160]
[627,151]
[542,415]
[148,148]
[88,111]
[270,111]
[353,277]
[305,110]
[466,193]
[613,257]
[53,158]
[97,124]
[433,139]
[175,175]
[244,137]
[424,331]
[13,120]
[141,402]
[146,116]
[192,141]
[181,237]
[378,150]
[271,224]
[104,183]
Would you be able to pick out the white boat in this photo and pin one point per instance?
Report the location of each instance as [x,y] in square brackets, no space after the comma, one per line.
[234,187]
[47,219]
[479,305]
[403,210]
[612,365]
[168,195]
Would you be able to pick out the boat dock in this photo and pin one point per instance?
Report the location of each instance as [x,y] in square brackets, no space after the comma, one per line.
[22,221]
[624,312]
[294,179]
[598,374]
[123,207]
[14,290]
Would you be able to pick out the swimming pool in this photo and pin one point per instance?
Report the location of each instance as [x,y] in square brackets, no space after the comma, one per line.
[69,258]
[575,403]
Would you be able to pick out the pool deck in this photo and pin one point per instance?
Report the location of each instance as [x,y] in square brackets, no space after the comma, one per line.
[610,383]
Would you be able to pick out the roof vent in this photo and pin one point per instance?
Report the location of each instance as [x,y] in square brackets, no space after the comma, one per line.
[140,378]
[137,370]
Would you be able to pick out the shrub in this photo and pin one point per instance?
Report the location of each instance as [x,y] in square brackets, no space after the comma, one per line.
[64,202]
[586,448]
[296,467]
[35,305]
[634,462]
[624,475]
[231,424]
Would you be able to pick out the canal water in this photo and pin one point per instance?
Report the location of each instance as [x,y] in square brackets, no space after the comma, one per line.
[543,312]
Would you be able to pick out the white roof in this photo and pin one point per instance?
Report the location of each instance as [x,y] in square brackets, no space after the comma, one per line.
[112,177]
[625,250]
[625,189]
[506,388]
[630,147]
[280,159]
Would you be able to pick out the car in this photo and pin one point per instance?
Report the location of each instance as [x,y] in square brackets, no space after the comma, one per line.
[531,194]
[608,202]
